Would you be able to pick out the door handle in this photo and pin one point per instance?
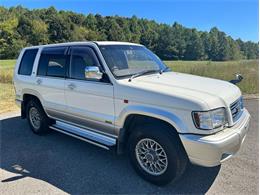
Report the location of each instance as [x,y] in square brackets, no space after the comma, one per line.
[38,81]
[71,86]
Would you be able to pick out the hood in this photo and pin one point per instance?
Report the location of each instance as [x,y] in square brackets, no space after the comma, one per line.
[212,92]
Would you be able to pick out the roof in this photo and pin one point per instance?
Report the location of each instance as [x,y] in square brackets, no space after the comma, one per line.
[114,43]
[84,42]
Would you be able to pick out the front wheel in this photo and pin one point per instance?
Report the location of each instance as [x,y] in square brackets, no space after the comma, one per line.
[157,154]
[151,156]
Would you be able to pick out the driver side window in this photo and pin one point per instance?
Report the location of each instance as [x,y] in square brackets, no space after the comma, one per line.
[81,57]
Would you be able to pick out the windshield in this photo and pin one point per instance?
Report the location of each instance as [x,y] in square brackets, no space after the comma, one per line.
[128,60]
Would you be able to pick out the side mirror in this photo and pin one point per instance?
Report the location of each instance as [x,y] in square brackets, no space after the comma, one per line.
[93,72]
[238,79]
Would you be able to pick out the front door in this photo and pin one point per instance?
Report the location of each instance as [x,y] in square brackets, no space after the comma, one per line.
[90,102]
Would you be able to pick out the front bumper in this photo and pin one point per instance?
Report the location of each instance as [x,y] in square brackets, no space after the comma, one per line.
[211,150]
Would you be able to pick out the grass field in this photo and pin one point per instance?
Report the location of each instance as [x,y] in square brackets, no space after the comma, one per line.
[223,70]
[7,96]
[220,70]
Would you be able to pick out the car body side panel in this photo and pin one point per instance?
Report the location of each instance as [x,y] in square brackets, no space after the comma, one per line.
[91,103]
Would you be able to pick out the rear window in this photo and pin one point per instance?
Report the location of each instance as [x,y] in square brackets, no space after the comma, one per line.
[52,62]
[27,61]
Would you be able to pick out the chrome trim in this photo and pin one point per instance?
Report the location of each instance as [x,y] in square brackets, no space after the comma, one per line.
[80,138]
[93,72]
[87,81]
[85,133]
[93,125]
[236,109]
[79,113]
[50,77]
[238,79]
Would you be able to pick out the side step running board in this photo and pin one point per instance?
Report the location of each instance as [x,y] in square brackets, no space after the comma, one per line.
[86,135]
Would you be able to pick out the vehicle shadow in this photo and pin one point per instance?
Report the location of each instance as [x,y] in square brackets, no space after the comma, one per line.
[77,167]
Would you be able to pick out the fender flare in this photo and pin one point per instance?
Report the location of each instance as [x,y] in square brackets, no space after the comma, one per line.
[34,93]
[166,116]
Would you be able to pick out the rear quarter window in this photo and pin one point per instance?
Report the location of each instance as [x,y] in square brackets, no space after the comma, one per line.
[27,61]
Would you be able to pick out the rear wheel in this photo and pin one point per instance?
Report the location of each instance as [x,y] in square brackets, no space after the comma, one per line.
[157,154]
[37,119]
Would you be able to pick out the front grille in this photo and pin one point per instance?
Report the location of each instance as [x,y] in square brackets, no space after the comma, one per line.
[237,109]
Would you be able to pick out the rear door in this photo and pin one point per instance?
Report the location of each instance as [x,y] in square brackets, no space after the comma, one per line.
[50,79]
[90,102]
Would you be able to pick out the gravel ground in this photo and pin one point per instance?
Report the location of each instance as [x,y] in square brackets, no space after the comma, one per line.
[58,164]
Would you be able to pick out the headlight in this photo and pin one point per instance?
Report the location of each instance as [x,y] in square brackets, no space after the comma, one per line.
[208,120]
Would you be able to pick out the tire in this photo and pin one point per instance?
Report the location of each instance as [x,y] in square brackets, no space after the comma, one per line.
[159,136]
[37,119]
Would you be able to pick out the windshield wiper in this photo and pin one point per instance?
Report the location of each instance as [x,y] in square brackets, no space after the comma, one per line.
[164,69]
[141,73]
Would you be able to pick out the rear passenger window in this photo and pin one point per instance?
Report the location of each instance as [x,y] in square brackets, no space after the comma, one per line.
[53,62]
[27,61]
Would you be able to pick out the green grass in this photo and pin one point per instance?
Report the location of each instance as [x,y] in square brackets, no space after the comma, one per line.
[6,64]
[220,70]
[7,96]
[6,70]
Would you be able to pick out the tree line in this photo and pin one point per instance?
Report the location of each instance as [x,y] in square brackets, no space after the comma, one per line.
[20,27]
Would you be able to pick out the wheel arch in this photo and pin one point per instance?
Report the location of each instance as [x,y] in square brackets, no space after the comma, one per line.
[136,115]
[156,113]
[27,95]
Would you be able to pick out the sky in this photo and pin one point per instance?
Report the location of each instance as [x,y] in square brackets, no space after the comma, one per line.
[237,18]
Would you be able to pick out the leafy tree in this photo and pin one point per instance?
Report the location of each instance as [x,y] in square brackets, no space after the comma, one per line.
[149,39]
[248,49]
[194,48]
[83,34]
[205,38]
[234,50]
[20,27]
[39,34]
[213,44]
[113,30]
[165,47]
[135,29]
[149,34]
[90,22]
[59,30]
[10,41]
[180,44]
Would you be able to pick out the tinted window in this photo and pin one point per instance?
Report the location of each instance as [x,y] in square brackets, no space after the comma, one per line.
[53,62]
[27,61]
[80,58]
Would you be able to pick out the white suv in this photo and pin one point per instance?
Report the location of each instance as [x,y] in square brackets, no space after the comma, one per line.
[122,96]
